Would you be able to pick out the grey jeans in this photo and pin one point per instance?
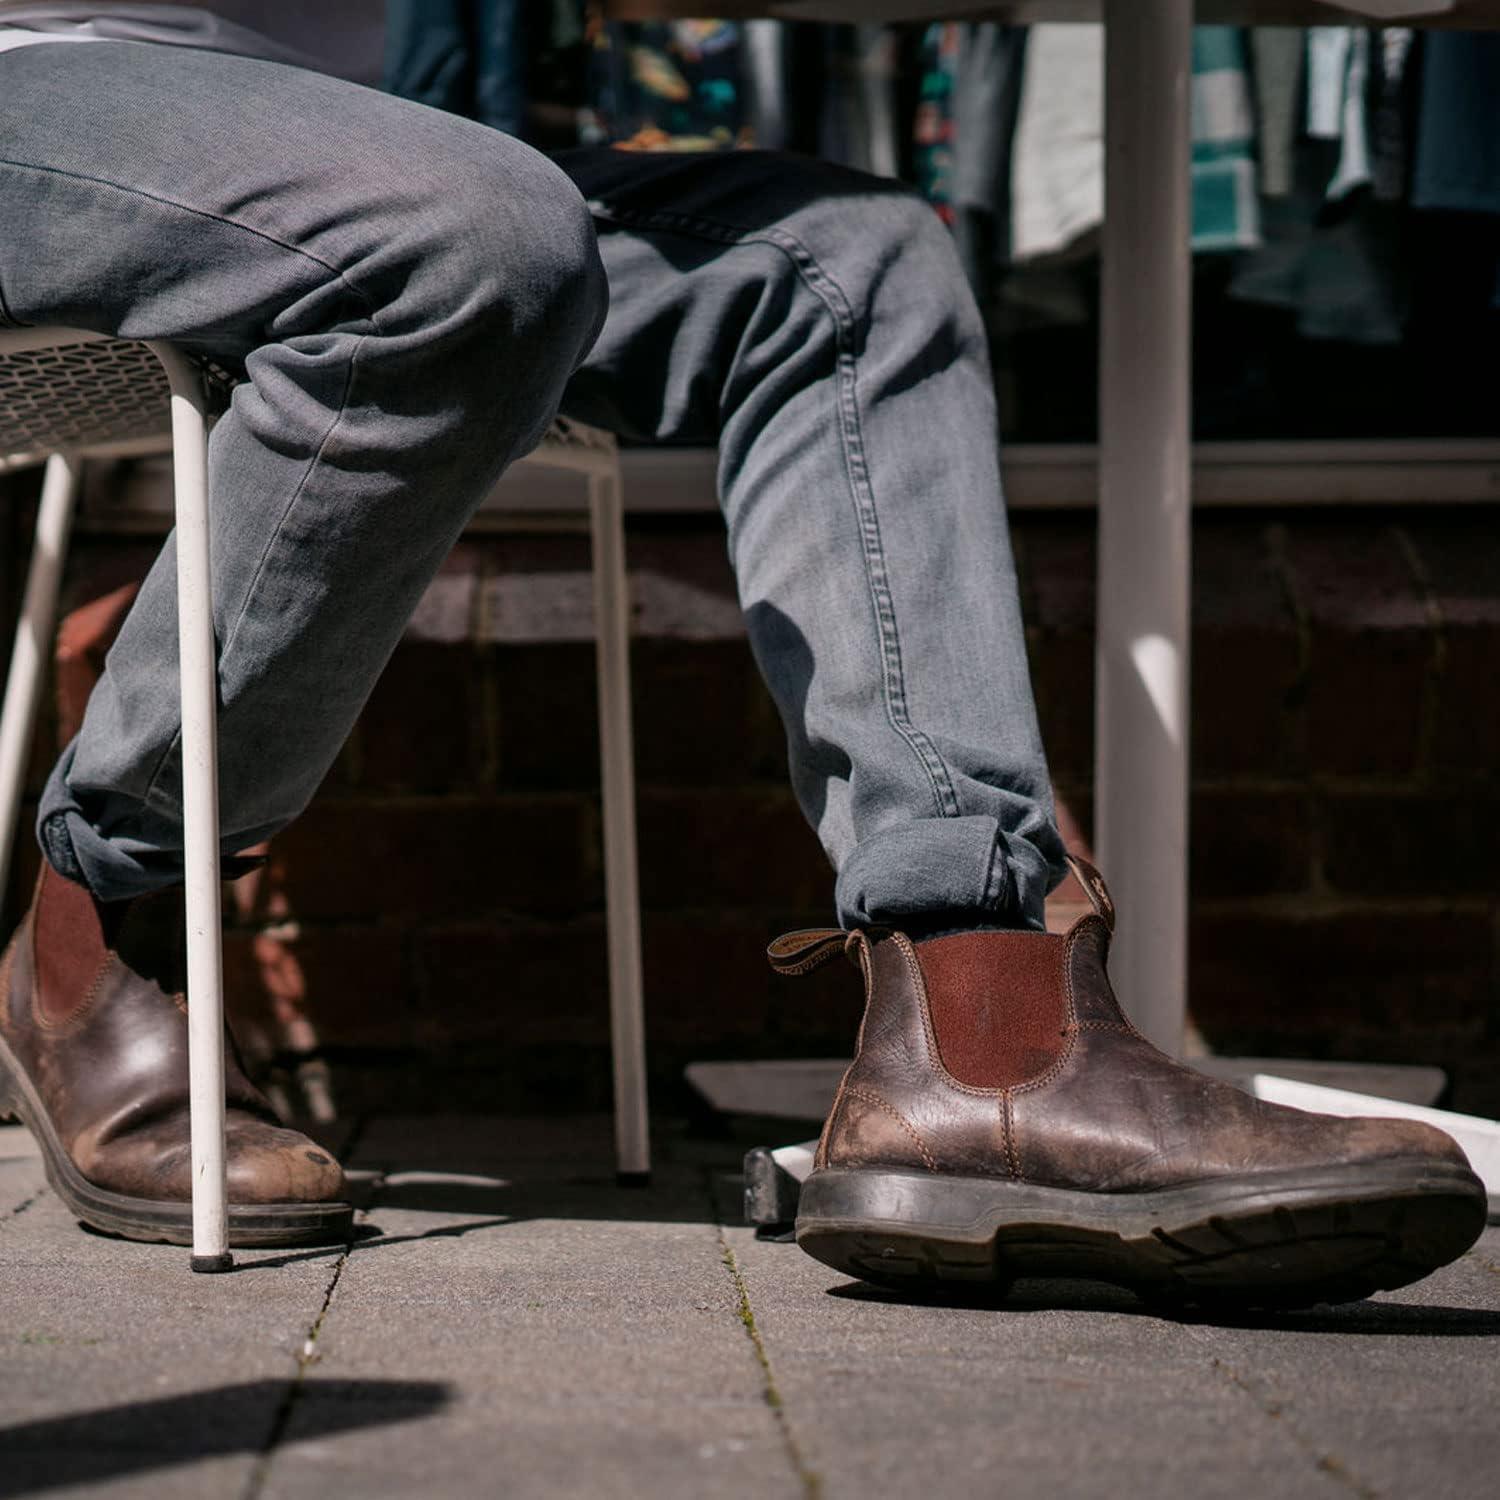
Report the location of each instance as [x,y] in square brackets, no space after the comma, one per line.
[411,297]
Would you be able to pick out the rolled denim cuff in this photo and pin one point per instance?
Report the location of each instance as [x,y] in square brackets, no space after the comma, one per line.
[114,866]
[956,869]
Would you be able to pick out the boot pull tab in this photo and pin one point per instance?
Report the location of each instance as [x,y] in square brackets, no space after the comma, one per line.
[802,951]
[1094,887]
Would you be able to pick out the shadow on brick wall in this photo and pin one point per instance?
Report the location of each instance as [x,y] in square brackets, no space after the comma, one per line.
[431,932]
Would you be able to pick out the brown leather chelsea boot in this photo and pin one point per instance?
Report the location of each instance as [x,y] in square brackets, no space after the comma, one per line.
[1002,1118]
[93,1059]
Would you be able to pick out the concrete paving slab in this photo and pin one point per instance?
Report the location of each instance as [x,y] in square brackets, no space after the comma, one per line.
[122,1371]
[509,1320]
[1064,1390]
[590,1336]
[1396,1395]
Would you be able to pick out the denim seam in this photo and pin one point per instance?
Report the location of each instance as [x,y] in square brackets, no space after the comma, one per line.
[999,878]
[836,301]
[264,559]
[200,213]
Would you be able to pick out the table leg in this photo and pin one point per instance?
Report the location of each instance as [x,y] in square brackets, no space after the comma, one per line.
[1141,765]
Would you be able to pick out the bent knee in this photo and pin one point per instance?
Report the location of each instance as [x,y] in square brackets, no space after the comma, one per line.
[508,250]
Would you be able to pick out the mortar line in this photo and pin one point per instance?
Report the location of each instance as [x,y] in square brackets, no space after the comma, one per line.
[810,1480]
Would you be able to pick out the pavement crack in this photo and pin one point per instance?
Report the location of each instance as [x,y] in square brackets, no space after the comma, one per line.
[1326,1463]
[307,1356]
[811,1480]
[22,1206]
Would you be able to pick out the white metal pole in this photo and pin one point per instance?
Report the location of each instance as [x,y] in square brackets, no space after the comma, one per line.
[200,810]
[617,773]
[1141,767]
[28,661]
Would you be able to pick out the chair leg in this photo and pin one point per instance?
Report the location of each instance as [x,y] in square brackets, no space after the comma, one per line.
[200,805]
[28,662]
[617,773]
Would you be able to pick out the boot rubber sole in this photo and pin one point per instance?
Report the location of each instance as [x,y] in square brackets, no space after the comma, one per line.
[159,1221]
[1271,1240]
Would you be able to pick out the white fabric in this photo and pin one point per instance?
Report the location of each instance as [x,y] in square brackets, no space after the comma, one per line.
[1057,181]
[13,36]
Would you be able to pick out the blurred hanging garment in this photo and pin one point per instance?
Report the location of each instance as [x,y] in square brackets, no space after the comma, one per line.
[1457,156]
[932,130]
[1277,53]
[1334,252]
[464,56]
[1057,177]
[984,121]
[1226,208]
[1058,168]
[668,85]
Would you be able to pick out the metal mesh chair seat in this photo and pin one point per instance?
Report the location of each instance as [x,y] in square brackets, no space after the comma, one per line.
[66,394]
[106,394]
[79,396]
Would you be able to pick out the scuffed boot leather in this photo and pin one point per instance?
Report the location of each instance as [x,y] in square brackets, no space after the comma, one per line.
[93,1058]
[1003,1118]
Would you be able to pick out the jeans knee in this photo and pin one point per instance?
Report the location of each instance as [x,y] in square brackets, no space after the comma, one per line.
[533,235]
[505,259]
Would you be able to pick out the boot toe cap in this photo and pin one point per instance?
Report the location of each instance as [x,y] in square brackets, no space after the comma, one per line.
[268,1164]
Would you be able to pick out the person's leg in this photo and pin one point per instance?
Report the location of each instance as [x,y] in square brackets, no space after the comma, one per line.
[406,294]
[815,325]
[1001,1116]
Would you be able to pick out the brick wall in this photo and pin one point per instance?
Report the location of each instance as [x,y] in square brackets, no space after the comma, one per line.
[433,926]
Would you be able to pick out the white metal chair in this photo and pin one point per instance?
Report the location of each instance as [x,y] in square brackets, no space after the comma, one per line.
[66,394]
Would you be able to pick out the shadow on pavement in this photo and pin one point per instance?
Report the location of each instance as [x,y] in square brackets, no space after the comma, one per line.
[479,1202]
[1425,1320]
[139,1436]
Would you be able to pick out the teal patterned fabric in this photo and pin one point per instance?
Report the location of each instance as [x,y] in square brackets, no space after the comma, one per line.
[1226,208]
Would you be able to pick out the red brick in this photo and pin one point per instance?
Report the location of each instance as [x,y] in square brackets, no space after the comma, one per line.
[448,613]
[1248,841]
[100,565]
[707,981]
[816,1014]
[1460,559]
[537,588]
[741,847]
[702,716]
[547,715]
[1412,843]
[391,862]
[513,983]
[681,584]
[1370,649]
[1246,662]
[1377,977]
[1466,727]
[423,729]
[83,642]
[1060,562]
[1075,817]
[297,987]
